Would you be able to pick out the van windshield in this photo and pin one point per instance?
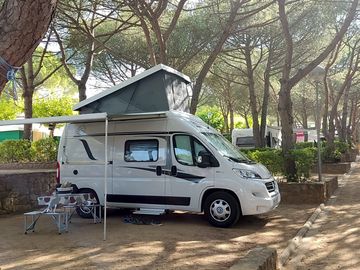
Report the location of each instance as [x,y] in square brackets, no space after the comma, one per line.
[225,148]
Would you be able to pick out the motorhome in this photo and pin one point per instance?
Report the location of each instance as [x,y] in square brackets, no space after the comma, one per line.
[244,137]
[161,160]
[171,160]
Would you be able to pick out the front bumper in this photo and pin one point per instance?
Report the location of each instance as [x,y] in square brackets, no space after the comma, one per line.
[259,200]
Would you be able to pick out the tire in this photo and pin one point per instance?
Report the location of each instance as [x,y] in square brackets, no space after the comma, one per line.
[222,209]
[84,210]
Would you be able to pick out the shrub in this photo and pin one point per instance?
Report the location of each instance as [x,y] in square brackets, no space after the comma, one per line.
[303,145]
[334,154]
[45,150]
[12,151]
[304,160]
[341,147]
[272,159]
[330,155]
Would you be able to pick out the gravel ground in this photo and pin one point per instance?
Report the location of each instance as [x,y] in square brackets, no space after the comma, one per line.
[333,241]
[182,241]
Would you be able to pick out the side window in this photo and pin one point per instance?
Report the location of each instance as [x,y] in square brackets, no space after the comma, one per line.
[141,150]
[183,149]
[187,149]
[198,147]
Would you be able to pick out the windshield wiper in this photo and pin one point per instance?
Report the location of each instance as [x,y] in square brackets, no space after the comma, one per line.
[238,160]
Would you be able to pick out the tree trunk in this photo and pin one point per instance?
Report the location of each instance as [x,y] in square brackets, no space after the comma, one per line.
[252,94]
[231,112]
[28,111]
[287,142]
[265,103]
[82,91]
[343,131]
[226,122]
[326,106]
[23,24]
[304,113]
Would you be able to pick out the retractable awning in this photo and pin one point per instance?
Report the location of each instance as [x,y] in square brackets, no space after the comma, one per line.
[91,117]
[83,118]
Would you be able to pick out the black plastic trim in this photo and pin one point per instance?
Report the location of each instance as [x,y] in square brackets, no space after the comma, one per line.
[166,200]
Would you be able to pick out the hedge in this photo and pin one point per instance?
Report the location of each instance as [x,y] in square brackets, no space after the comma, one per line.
[304,154]
[22,151]
[272,159]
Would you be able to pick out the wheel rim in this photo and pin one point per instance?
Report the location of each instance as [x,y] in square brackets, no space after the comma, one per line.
[220,210]
[86,207]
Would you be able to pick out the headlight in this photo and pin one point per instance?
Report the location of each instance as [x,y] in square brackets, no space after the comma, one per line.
[247,174]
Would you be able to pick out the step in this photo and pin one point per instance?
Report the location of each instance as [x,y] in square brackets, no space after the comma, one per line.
[149,211]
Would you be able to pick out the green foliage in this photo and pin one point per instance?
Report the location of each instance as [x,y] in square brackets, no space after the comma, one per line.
[304,160]
[211,116]
[48,107]
[330,155]
[334,154]
[15,151]
[9,110]
[342,147]
[241,123]
[272,159]
[45,150]
[303,145]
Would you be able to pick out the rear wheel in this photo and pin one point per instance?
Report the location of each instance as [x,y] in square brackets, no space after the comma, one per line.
[222,209]
[85,209]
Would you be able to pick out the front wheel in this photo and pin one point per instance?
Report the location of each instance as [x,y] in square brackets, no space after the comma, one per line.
[85,209]
[222,209]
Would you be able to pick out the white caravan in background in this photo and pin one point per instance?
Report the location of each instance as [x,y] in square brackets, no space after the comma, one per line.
[244,137]
[165,161]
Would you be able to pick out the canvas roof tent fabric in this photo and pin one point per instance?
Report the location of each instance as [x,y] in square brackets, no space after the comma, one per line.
[159,88]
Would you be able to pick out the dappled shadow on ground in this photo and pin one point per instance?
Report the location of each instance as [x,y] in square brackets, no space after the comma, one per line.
[183,241]
[333,242]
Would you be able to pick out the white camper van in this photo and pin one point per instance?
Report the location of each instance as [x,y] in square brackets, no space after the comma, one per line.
[244,137]
[166,161]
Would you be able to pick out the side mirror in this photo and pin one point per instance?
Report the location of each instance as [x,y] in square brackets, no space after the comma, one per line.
[204,159]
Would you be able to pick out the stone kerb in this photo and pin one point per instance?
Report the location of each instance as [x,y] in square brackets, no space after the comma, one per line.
[260,258]
[334,168]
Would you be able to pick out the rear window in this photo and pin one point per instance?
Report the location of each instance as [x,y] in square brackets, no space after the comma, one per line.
[245,141]
[141,150]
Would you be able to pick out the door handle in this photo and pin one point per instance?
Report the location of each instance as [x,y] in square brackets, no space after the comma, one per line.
[158,170]
[173,171]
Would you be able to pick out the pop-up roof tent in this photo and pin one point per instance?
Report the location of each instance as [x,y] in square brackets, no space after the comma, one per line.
[157,89]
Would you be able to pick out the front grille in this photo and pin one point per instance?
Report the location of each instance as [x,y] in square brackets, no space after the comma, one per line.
[270,186]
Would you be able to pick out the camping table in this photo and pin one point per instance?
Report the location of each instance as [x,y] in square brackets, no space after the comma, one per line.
[60,207]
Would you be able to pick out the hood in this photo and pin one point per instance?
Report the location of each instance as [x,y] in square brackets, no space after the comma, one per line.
[255,167]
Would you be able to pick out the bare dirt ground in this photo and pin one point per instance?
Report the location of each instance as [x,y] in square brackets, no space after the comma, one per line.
[333,241]
[183,241]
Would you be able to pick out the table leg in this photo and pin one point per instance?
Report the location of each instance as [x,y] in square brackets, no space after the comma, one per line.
[25,224]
